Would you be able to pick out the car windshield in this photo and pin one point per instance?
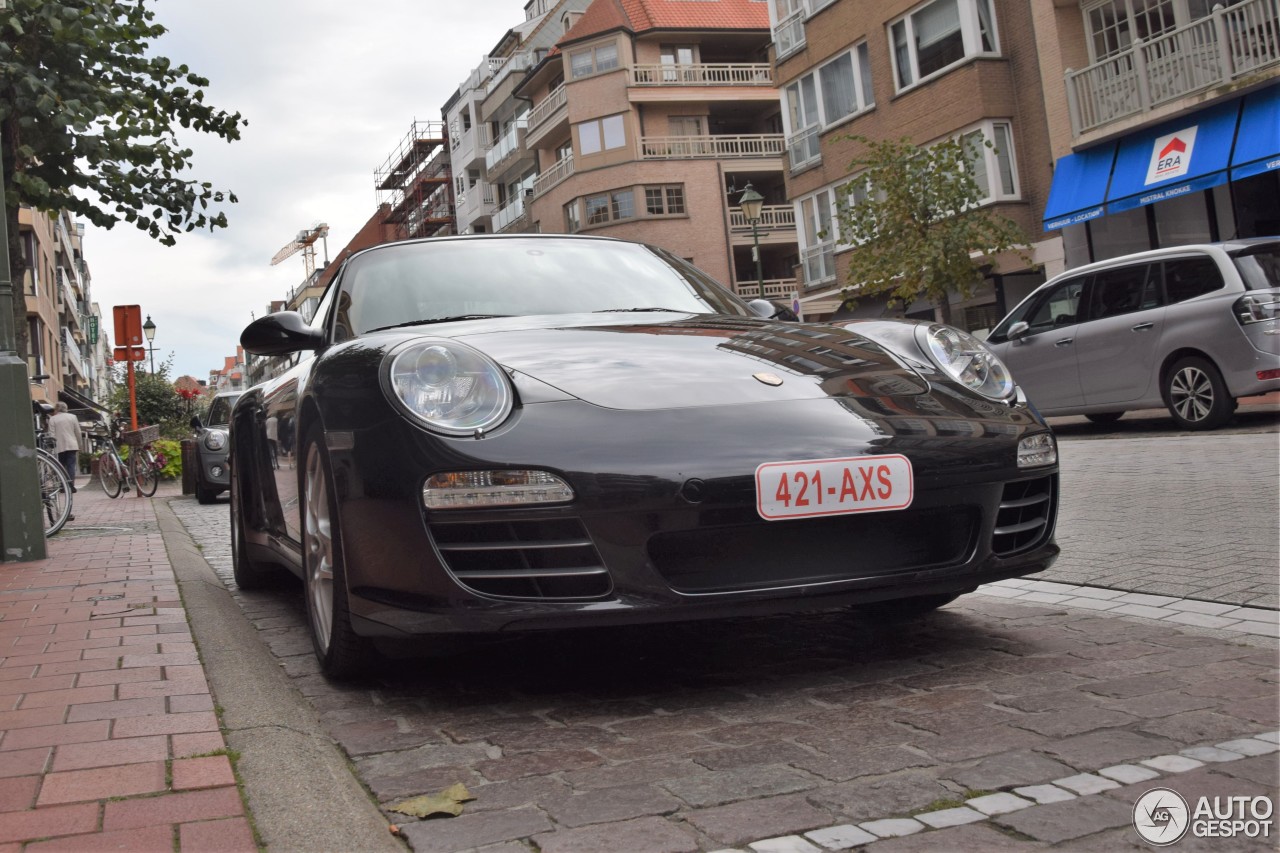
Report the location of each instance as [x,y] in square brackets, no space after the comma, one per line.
[220,411]
[1259,266]
[400,284]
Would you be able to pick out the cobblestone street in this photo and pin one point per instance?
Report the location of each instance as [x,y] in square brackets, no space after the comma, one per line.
[1030,712]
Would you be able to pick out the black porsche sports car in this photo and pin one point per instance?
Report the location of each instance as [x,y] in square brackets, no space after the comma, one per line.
[503,433]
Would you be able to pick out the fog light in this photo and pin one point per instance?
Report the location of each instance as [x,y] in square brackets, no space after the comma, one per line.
[467,489]
[216,470]
[1037,450]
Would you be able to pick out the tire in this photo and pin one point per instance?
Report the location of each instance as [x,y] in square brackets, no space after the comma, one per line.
[249,574]
[903,609]
[110,474]
[55,492]
[1196,395]
[342,653]
[205,496]
[1102,418]
[147,473]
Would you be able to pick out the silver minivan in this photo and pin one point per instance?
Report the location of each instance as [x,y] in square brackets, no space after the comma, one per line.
[1189,328]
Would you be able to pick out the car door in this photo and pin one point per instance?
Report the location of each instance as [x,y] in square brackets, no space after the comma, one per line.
[1117,345]
[1043,361]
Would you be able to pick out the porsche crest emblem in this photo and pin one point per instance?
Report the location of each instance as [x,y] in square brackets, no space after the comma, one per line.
[768,378]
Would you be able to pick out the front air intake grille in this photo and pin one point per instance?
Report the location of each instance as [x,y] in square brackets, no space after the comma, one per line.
[552,559]
[1025,520]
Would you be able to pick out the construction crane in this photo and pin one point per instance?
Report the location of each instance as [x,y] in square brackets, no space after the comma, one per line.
[305,242]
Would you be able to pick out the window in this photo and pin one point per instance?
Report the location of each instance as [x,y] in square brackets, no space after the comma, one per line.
[992,165]
[664,201]
[601,135]
[1114,25]
[571,224]
[1057,308]
[610,207]
[938,35]
[1187,278]
[835,91]
[593,60]
[1122,291]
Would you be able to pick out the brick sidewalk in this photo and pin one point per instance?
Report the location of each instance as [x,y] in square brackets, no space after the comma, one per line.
[108,736]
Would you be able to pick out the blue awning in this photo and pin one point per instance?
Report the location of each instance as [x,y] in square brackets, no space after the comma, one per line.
[1182,156]
[1079,187]
[1258,142]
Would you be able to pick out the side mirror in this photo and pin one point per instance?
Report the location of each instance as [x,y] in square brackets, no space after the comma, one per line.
[1018,330]
[766,310]
[195,422]
[280,333]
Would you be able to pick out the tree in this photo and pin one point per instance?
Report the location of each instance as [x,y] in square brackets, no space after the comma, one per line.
[916,224]
[89,123]
[158,400]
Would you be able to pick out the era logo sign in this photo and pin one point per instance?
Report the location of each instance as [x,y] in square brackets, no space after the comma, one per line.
[1171,155]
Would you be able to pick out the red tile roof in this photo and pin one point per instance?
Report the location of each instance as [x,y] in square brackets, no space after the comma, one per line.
[641,15]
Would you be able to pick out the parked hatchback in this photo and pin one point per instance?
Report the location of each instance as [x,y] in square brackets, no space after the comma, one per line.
[211,477]
[1189,328]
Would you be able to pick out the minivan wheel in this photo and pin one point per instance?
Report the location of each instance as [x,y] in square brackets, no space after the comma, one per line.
[1104,417]
[1196,395]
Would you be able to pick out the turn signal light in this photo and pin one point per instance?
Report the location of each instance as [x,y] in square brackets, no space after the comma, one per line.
[478,489]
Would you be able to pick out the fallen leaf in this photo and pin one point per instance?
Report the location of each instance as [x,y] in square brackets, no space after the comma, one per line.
[449,801]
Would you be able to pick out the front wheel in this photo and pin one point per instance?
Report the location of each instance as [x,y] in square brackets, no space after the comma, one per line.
[147,473]
[110,474]
[1196,395]
[341,651]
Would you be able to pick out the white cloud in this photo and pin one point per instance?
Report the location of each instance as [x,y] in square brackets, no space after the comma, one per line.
[330,89]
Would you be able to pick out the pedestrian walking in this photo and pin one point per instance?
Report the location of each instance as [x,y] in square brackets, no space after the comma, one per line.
[65,429]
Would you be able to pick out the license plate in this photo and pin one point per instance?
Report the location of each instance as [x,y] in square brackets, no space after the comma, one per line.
[815,487]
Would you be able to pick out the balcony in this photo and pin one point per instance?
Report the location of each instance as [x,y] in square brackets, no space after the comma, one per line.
[557,173]
[72,352]
[788,36]
[1228,44]
[773,217]
[509,215]
[509,144]
[774,288]
[547,107]
[707,74]
[502,68]
[710,147]
[476,201]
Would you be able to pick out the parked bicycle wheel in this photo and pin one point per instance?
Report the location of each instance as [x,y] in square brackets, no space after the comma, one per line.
[147,474]
[111,474]
[55,492]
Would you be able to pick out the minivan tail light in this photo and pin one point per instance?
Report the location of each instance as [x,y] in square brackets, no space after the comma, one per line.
[1257,308]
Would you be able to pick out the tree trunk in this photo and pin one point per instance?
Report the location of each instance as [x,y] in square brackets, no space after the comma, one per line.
[17,264]
[944,308]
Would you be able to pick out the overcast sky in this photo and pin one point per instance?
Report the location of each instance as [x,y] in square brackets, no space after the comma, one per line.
[330,88]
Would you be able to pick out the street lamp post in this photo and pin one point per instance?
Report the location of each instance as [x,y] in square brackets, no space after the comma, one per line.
[149,329]
[751,203]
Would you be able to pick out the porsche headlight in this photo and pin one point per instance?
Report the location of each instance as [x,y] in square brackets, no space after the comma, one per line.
[966,360]
[215,439]
[449,387]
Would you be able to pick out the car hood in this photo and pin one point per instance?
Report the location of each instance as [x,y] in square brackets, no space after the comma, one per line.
[692,360]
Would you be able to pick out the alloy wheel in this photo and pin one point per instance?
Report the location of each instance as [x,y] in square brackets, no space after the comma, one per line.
[1191,394]
[318,547]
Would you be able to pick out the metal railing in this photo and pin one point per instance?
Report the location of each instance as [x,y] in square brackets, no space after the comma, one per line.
[547,107]
[1214,50]
[501,67]
[702,74]
[773,217]
[695,147]
[506,146]
[509,214]
[557,173]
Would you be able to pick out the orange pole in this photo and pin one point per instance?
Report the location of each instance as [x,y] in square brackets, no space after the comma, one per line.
[133,397]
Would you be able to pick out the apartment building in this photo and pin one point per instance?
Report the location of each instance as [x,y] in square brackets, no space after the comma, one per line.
[648,121]
[1164,121]
[923,71]
[66,341]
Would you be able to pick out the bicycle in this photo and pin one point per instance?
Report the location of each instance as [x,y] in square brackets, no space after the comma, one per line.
[142,468]
[55,488]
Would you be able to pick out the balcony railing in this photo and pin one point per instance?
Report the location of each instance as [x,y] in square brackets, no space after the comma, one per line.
[773,217]
[72,351]
[557,173]
[1242,39]
[502,67]
[788,36]
[547,107]
[703,74]
[819,263]
[699,147]
[506,146]
[773,288]
[509,214]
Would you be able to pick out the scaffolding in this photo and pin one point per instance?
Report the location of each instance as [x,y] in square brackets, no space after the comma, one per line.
[417,183]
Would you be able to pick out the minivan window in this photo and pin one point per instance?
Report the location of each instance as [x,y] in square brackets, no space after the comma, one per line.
[1187,278]
[1059,306]
[1122,291]
[1260,267]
